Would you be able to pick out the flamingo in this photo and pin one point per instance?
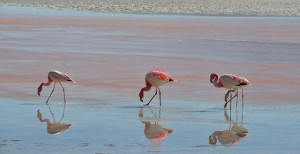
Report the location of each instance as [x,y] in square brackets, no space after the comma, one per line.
[231,82]
[56,77]
[155,78]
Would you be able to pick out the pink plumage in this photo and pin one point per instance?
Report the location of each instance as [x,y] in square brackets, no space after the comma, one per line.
[56,77]
[155,78]
[231,82]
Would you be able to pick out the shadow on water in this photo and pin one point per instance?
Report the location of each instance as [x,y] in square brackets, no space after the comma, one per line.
[214,109]
[234,134]
[54,127]
[131,107]
[153,130]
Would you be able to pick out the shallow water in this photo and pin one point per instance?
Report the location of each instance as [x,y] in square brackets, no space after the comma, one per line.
[108,56]
[117,128]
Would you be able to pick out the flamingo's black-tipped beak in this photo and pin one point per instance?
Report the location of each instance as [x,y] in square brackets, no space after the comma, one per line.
[39,94]
[141,100]
[171,79]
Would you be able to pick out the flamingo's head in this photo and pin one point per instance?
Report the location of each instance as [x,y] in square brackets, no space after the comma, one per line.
[141,95]
[213,76]
[39,89]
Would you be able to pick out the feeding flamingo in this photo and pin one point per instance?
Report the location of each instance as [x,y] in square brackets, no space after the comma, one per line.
[231,82]
[56,77]
[155,78]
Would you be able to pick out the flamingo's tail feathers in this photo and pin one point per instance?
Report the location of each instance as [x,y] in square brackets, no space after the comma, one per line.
[71,80]
[172,80]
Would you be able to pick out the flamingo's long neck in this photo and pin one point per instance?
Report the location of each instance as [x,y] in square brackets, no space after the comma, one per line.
[217,82]
[44,84]
[147,88]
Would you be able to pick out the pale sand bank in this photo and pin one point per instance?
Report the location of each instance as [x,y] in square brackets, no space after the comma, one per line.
[200,7]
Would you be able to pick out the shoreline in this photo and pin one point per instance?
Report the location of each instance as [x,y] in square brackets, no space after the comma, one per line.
[263,8]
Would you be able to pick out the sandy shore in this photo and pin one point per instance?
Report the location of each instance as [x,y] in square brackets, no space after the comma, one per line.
[201,7]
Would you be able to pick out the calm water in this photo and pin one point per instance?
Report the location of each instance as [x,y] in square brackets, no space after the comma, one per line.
[109,54]
[115,128]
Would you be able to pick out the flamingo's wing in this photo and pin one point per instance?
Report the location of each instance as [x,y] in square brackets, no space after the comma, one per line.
[59,76]
[234,80]
[162,75]
[228,79]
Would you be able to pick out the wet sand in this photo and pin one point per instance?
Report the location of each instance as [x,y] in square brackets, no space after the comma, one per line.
[108,56]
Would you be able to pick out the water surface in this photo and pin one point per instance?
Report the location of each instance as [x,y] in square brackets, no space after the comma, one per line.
[108,56]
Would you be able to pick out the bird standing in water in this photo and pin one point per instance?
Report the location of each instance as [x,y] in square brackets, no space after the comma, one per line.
[155,78]
[56,77]
[231,82]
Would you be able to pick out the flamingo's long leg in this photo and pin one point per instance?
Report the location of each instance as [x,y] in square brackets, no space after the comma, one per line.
[230,102]
[226,96]
[151,98]
[242,98]
[236,93]
[159,97]
[63,115]
[237,97]
[50,93]
[64,93]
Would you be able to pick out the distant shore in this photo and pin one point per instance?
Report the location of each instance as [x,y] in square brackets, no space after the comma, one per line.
[198,7]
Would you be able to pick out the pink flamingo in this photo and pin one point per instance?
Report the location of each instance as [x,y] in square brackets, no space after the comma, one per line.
[56,77]
[231,82]
[155,78]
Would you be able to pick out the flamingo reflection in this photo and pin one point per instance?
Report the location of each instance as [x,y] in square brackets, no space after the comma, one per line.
[54,127]
[236,132]
[154,131]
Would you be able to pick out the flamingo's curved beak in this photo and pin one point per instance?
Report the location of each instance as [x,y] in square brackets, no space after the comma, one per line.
[141,99]
[39,94]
